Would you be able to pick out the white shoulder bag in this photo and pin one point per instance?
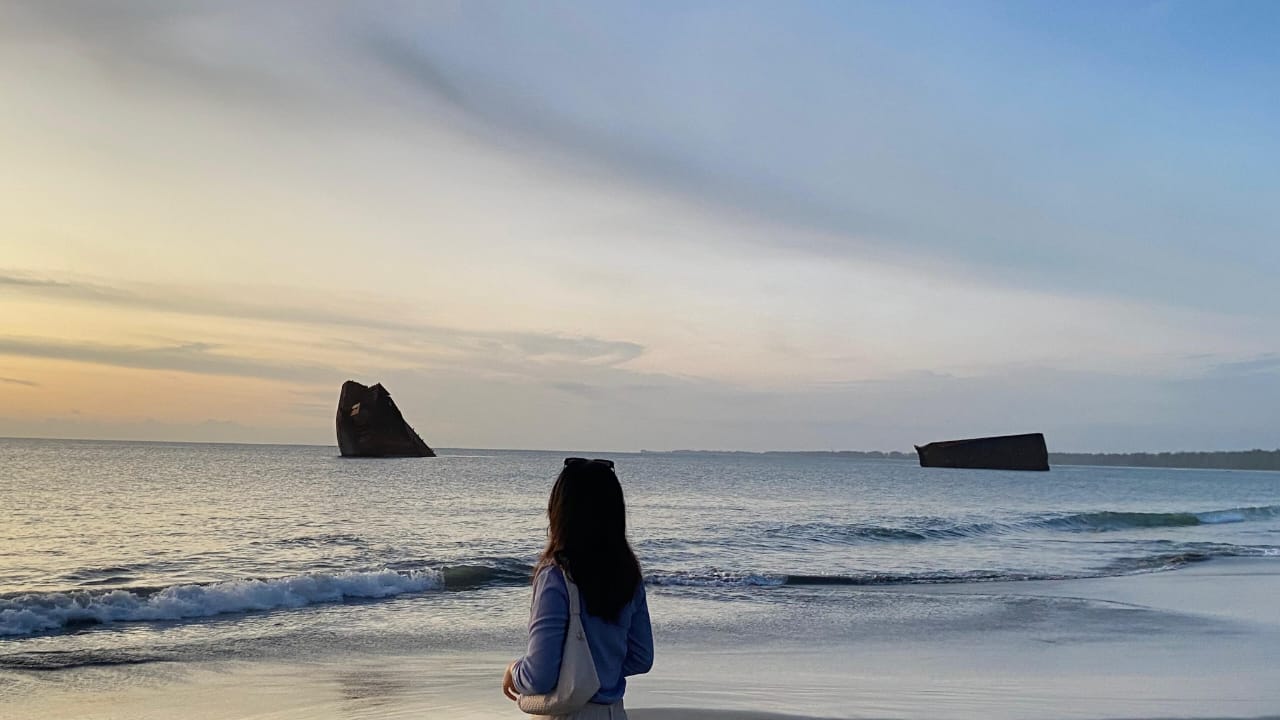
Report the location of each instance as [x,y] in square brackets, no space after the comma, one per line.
[578,681]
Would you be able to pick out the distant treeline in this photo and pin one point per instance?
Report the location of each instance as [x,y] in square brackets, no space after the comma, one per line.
[1234,460]
[858,454]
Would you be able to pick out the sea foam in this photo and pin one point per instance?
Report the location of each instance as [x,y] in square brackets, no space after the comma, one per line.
[42,612]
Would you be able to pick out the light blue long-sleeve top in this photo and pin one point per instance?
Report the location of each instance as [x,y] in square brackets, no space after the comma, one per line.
[619,649]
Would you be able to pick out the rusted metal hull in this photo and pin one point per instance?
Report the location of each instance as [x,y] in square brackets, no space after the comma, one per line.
[370,425]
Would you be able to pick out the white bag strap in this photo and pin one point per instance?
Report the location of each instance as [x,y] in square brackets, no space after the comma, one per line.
[574,603]
[572,590]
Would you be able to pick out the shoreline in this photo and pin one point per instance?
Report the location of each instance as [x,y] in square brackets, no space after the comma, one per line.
[1197,642]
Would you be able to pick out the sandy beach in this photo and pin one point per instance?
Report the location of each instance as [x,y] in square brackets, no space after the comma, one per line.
[1200,642]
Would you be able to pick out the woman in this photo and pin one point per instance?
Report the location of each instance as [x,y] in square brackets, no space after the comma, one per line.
[587,538]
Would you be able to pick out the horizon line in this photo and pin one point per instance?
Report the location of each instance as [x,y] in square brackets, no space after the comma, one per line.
[641,451]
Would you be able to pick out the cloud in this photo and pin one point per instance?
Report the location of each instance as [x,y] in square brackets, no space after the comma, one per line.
[852,137]
[607,352]
[77,290]
[890,163]
[1263,363]
[180,47]
[576,388]
[1078,411]
[193,357]
[605,407]
[185,301]
[18,381]
[153,429]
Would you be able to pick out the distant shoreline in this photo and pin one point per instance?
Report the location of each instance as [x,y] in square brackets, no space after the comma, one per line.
[1186,460]
[1265,460]
[1222,460]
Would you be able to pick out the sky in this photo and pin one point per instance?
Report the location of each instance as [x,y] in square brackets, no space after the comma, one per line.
[565,225]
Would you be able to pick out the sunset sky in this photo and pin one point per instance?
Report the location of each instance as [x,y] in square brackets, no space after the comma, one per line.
[672,225]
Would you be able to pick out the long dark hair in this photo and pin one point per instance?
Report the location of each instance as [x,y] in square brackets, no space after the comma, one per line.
[587,536]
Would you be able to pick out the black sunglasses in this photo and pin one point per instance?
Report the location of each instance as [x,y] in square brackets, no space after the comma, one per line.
[568,462]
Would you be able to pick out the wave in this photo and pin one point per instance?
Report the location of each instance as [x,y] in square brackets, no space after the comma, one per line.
[929,528]
[481,573]
[1107,521]
[718,579]
[1180,556]
[30,613]
[313,541]
[44,612]
[712,578]
[49,660]
[913,530]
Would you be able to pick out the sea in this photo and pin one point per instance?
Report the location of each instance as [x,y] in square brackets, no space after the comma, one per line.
[125,554]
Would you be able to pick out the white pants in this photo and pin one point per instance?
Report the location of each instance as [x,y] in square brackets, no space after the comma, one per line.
[596,712]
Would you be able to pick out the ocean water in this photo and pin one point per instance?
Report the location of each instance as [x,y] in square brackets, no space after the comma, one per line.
[129,553]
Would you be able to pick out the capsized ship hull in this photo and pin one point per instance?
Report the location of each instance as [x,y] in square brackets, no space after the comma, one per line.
[1003,452]
[370,425]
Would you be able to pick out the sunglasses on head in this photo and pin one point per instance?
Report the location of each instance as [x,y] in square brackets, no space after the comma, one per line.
[569,462]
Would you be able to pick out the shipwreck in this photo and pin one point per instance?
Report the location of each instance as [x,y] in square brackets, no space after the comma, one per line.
[370,425]
[1004,452]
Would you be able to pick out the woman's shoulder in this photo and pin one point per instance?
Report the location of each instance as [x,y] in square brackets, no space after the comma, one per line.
[549,575]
